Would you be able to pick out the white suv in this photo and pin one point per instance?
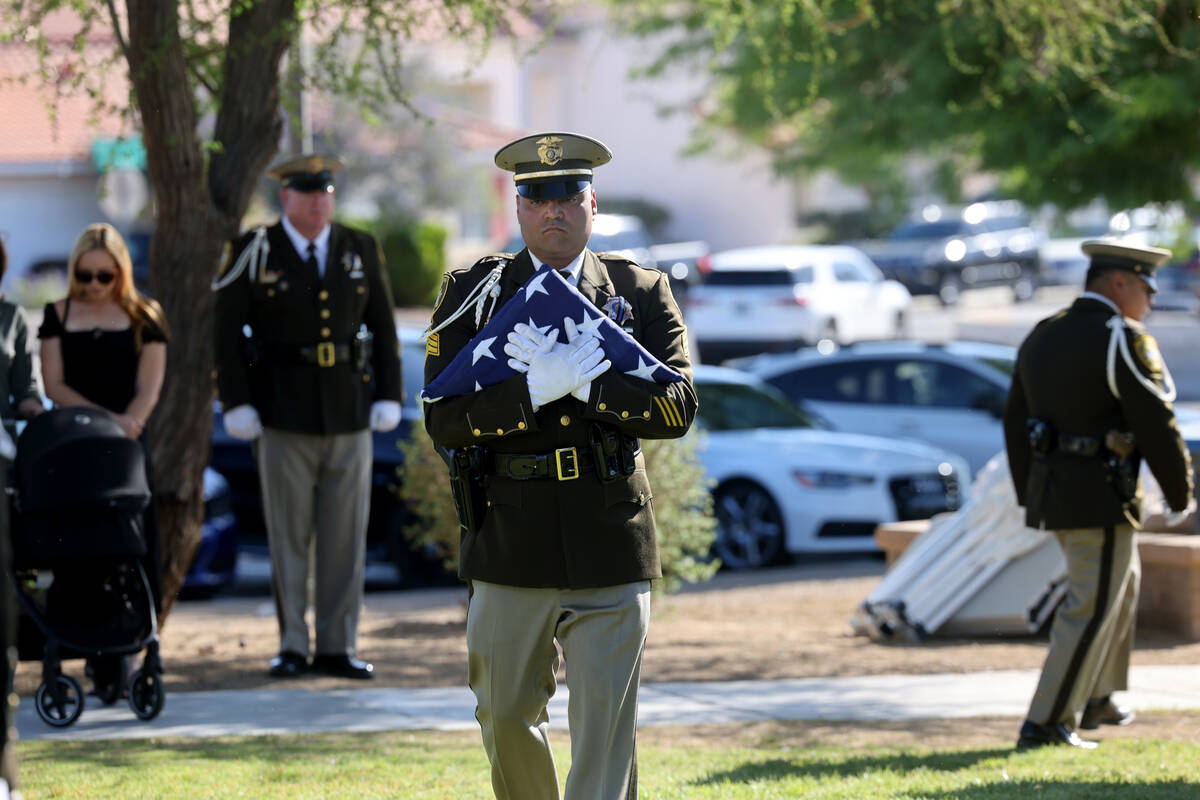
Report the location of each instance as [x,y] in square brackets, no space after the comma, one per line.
[770,298]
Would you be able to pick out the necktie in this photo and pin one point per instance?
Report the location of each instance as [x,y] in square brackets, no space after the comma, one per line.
[312,258]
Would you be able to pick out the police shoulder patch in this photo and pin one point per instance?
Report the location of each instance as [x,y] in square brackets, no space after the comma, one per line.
[441,295]
[1147,352]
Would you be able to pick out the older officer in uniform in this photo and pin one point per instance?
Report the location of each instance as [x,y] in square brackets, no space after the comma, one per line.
[563,552]
[1087,404]
[319,370]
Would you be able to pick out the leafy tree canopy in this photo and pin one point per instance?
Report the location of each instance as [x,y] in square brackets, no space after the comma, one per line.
[1066,100]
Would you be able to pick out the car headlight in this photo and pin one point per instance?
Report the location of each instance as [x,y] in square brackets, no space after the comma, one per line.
[956,250]
[812,479]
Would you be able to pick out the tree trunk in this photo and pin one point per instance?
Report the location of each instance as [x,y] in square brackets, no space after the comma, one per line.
[196,210]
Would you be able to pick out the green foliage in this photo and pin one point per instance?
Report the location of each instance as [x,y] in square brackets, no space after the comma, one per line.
[415,253]
[1066,100]
[682,506]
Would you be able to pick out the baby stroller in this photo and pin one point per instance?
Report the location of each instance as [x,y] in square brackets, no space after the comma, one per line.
[85,566]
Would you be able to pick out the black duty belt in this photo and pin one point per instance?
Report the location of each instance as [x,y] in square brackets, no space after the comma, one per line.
[325,354]
[564,464]
[1078,445]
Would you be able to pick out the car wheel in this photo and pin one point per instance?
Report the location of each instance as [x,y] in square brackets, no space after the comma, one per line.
[750,530]
[950,290]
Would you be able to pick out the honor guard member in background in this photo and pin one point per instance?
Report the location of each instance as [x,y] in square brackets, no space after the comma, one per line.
[1090,399]
[318,371]
[565,546]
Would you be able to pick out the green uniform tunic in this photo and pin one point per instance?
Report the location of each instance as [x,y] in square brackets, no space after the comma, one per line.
[565,534]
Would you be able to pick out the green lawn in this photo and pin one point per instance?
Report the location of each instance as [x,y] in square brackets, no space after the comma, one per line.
[728,762]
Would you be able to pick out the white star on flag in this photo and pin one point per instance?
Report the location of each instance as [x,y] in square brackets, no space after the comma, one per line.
[644,371]
[484,348]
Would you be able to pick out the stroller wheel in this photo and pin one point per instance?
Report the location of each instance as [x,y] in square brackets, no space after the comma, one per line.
[59,704]
[146,694]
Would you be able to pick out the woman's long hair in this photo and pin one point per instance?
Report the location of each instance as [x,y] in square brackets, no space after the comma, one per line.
[141,309]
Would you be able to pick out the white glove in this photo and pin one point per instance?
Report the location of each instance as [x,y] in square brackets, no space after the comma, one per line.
[385,415]
[584,390]
[242,422]
[554,370]
[1176,518]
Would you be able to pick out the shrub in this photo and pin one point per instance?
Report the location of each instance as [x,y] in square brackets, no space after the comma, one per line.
[682,506]
[415,253]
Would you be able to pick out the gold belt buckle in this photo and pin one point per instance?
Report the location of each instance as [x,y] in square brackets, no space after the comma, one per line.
[567,460]
[325,354]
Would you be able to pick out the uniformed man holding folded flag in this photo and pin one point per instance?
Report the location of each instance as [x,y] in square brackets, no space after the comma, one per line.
[1090,398]
[560,545]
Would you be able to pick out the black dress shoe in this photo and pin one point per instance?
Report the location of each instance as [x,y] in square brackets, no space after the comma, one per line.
[1104,712]
[343,666]
[288,664]
[1034,735]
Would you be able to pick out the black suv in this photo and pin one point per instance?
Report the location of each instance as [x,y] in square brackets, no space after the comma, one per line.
[946,250]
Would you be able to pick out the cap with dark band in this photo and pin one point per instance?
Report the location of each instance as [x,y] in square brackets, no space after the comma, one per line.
[549,165]
[1142,261]
[306,173]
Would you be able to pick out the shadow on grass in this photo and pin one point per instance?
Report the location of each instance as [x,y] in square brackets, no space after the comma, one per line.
[816,767]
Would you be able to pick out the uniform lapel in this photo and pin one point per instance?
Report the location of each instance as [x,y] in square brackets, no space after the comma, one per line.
[334,269]
[519,270]
[594,283]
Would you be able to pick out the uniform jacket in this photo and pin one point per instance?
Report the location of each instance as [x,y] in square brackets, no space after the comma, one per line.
[290,306]
[565,534]
[1061,377]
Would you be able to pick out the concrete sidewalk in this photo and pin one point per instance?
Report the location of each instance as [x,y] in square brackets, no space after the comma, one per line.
[886,697]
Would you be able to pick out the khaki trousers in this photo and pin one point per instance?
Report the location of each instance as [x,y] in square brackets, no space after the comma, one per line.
[316,486]
[512,663]
[1092,633]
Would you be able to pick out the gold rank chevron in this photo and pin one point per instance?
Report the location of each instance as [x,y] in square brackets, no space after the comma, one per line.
[670,413]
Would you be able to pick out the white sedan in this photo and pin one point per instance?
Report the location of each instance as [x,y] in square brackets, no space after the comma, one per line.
[765,298]
[784,482]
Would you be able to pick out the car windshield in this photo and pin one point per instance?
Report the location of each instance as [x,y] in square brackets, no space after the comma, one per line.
[929,230]
[736,406]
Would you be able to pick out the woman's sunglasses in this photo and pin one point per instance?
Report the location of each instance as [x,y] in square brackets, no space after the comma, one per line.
[84,276]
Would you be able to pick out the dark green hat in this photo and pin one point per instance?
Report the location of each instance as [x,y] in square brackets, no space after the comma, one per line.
[1142,261]
[307,172]
[548,165]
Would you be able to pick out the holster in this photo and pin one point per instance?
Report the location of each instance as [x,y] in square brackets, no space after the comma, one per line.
[466,485]
[361,347]
[614,452]
[1122,473]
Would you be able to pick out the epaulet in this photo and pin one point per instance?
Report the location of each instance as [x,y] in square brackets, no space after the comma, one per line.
[495,258]
[606,256]
[1134,327]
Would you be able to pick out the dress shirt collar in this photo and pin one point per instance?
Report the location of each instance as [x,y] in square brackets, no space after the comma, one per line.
[301,243]
[573,269]
[1097,296]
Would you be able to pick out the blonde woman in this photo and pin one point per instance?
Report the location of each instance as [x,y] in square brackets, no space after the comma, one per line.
[105,344]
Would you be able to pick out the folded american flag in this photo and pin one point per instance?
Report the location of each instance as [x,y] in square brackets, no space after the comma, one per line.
[542,303]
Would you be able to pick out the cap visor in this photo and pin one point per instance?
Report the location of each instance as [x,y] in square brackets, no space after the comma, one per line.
[552,189]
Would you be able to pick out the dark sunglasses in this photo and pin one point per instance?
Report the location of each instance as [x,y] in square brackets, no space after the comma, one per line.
[84,276]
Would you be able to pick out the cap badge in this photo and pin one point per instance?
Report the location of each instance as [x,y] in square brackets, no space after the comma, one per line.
[550,150]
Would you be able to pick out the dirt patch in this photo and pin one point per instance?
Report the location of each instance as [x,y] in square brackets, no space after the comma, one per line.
[789,629]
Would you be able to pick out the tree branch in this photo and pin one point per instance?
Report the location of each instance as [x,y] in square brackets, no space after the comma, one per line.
[116,26]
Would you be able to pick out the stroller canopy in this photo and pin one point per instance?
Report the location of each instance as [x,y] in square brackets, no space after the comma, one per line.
[77,457]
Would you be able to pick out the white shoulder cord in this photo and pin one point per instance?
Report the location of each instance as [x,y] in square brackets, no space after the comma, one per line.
[255,255]
[488,287]
[1118,339]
